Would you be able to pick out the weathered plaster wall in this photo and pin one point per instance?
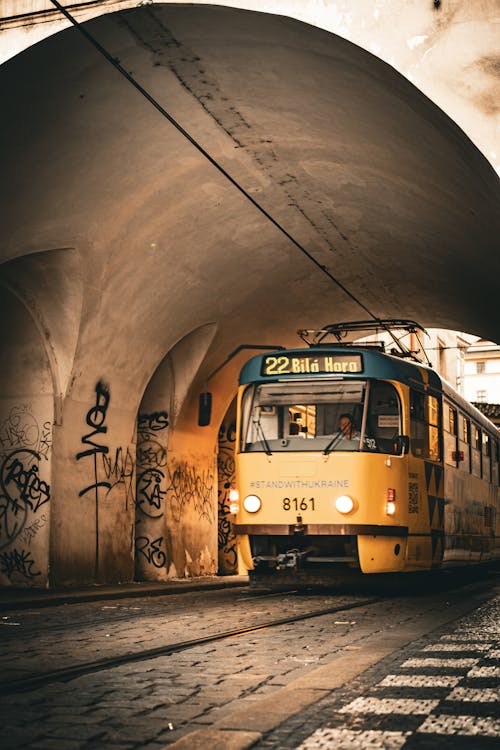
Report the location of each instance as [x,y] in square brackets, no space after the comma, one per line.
[26,417]
[167,489]
[450,50]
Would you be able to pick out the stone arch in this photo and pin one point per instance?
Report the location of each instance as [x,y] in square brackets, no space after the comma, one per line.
[158,555]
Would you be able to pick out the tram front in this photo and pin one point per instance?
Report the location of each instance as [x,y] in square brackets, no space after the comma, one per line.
[321,465]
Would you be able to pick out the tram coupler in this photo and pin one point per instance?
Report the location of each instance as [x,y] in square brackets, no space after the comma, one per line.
[292,559]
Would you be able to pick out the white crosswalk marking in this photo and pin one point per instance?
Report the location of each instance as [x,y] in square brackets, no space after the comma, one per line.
[469,725]
[419,680]
[352,739]
[476,695]
[433,662]
[389,706]
[484,672]
[457,647]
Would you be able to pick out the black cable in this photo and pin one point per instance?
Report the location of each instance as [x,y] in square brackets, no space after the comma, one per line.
[116,64]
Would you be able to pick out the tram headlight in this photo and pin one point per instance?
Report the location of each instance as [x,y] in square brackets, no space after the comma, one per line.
[344,504]
[234,501]
[252,503]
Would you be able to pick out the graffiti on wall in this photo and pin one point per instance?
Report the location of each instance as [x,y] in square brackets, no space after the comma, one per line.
[151,550]
[95,419]
[24,446]
[226,478]
[15,563]
[21,429]
[150,543]
[151,459]
[189,487]
[150,496]
[108,471]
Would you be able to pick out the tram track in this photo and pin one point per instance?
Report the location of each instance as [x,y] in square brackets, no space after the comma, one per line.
[35,629]
[65,674]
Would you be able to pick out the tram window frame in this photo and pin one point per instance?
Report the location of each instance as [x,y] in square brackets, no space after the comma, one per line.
[423,431]
[486,457]
[476,451]
[450,435]
[452,420]
[466,438]
[495,464]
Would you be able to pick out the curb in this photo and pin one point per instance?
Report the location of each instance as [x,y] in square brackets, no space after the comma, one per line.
[26,599]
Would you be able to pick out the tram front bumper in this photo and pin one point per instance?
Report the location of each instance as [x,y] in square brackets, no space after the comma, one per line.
[370,548]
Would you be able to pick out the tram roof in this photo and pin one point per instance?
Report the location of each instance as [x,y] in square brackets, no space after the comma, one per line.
[375,364]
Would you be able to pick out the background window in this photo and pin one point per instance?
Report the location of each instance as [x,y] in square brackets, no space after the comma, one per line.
[481,396]
[480,367]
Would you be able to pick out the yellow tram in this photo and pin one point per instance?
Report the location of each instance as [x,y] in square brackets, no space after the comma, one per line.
[349,458]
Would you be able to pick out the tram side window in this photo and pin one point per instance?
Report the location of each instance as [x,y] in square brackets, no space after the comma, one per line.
[450,436]
[424,426]
[495,477]
[464,442]
[476,445]
[486,457]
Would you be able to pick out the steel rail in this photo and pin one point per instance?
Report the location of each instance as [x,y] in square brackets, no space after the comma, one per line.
[35,629]
[66,674]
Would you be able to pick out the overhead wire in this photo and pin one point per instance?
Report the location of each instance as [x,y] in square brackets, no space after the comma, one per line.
[119,67]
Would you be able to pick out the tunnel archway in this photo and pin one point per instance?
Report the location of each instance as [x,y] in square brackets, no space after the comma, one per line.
[370,176]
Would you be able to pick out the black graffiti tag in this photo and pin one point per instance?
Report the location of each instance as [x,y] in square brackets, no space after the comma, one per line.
[226,540]
[149,494]
[18,562]
[32,490]
[95,419]
[154,422]
[151,550]
[21,490]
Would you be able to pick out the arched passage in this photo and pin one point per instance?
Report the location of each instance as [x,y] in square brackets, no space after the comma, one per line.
[372,178]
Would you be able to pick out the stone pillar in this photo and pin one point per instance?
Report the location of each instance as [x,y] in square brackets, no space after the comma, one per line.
[26,418]
[227,556]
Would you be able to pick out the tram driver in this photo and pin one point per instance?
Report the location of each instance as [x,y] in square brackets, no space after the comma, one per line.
[347,428]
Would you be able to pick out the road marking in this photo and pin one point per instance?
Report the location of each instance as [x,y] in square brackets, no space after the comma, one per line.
[419,680]
[484,672]
[433,662]
[457,647]
[389,706]
[474,695]
[484,726]
[354,739]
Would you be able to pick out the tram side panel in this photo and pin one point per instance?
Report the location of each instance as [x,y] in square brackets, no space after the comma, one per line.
[471,491]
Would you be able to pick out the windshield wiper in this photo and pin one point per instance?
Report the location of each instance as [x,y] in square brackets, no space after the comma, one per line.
[263,437]
[333,442]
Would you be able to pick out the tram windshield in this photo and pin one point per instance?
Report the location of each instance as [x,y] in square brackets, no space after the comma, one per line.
[321,416]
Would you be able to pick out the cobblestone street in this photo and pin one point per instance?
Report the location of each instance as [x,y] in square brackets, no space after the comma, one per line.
[402,667]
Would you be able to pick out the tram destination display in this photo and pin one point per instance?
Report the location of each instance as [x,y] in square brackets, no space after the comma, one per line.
[326,364]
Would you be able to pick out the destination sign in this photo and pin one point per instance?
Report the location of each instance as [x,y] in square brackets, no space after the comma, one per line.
[328,363]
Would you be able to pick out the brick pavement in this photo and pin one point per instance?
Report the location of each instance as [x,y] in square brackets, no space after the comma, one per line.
[236,691]
[437,695]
